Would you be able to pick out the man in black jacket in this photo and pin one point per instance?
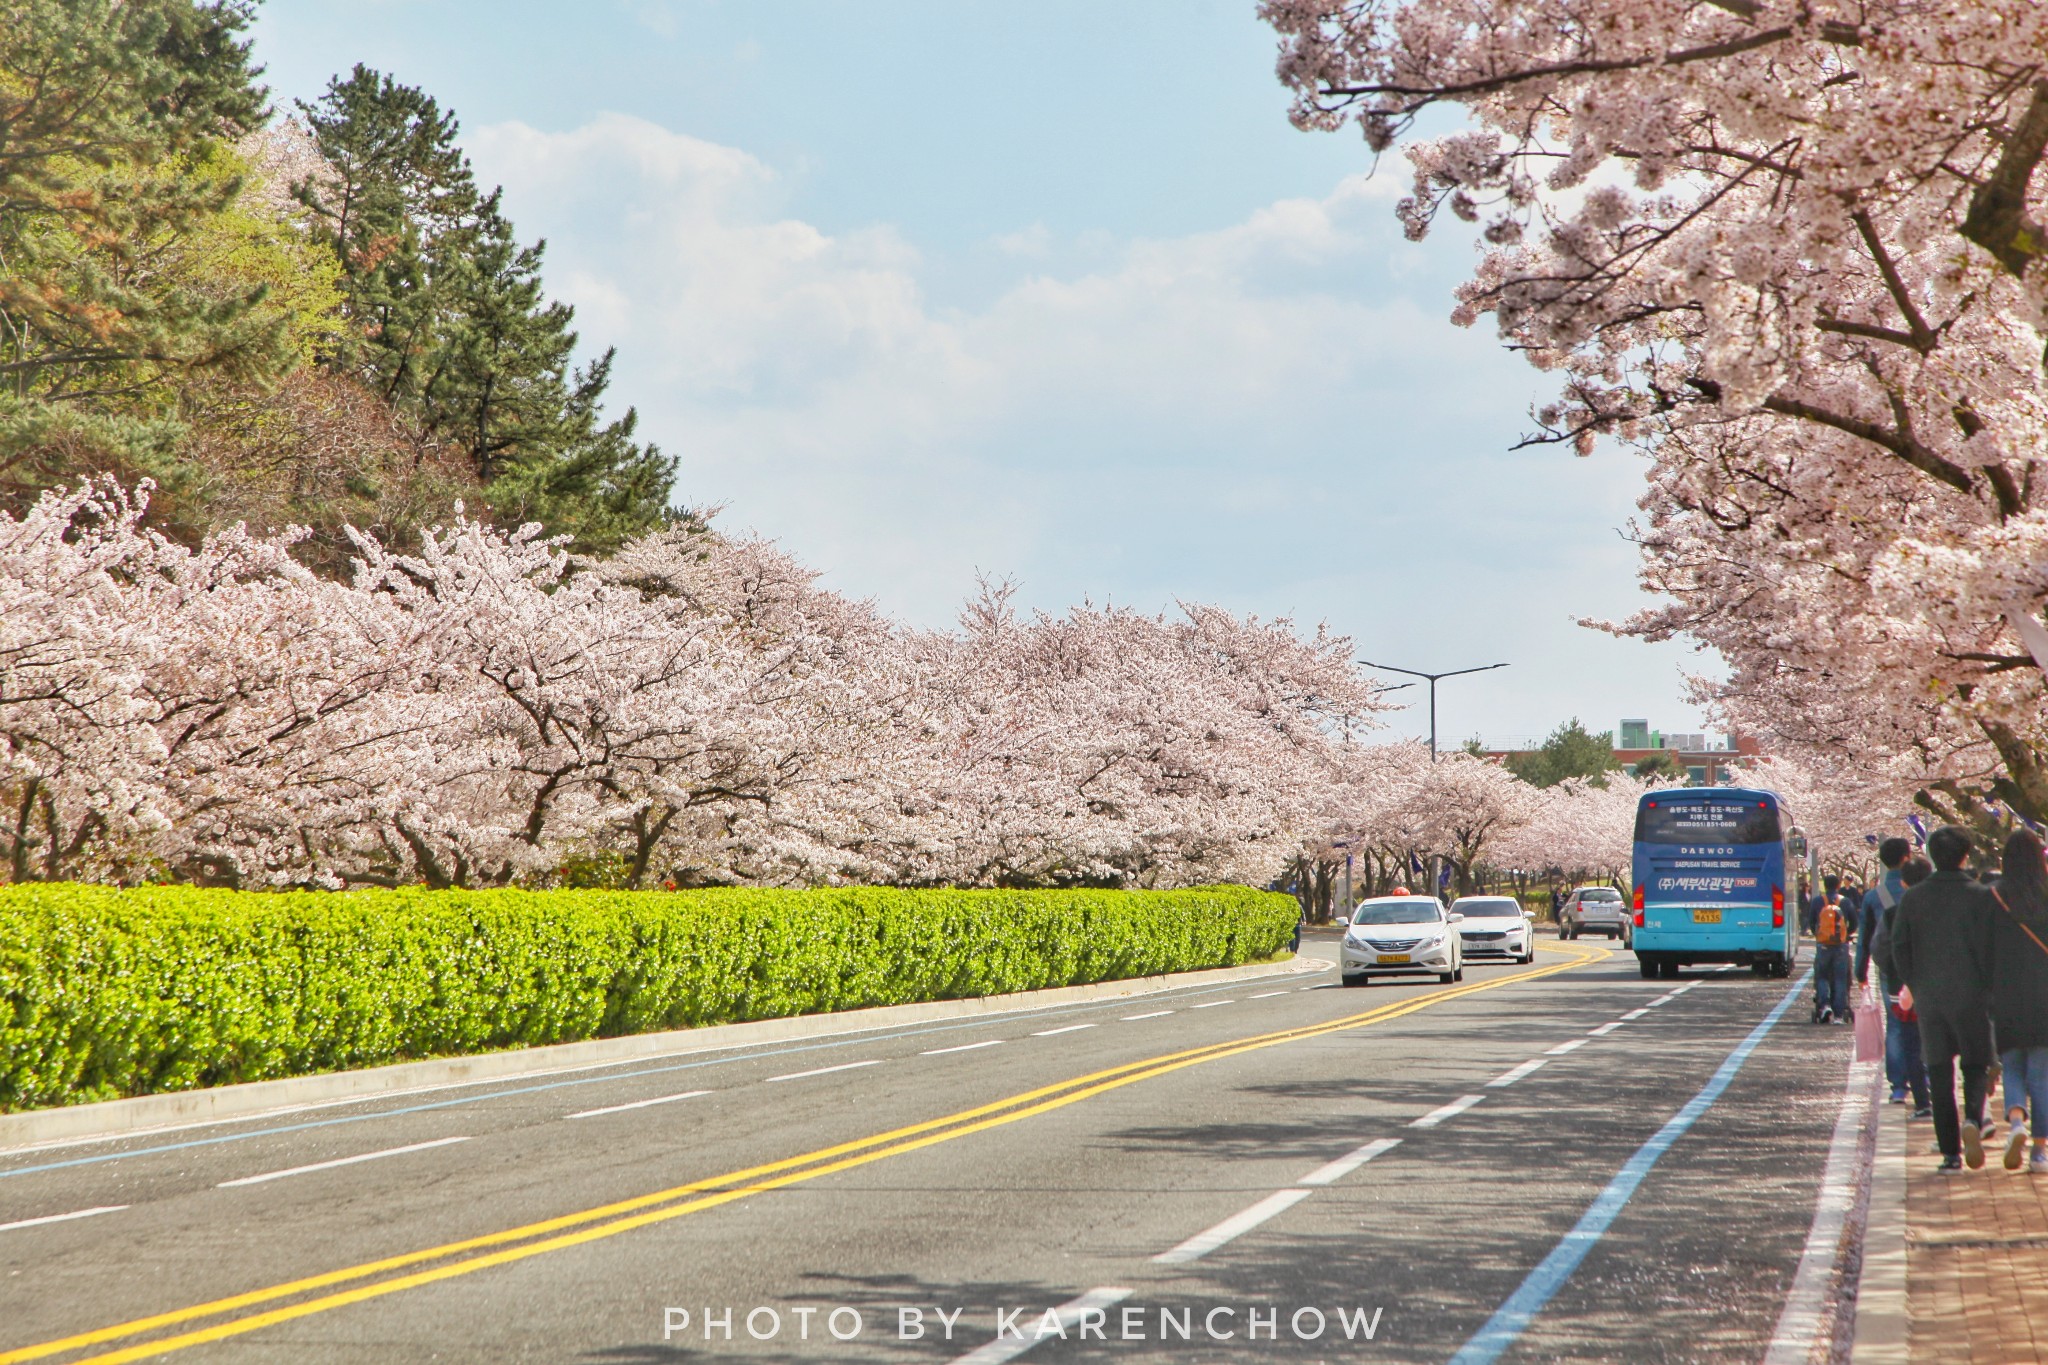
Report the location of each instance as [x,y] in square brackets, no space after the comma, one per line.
[1938,943]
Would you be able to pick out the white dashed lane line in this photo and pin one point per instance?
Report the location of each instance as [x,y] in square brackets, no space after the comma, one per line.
[1603,1030]
[1155,1014]
[1211,1004]
[961,1047]
[1345,1165]
[1070,1028]
[1633,1014]
[61,1217]
[1202,1243]
[639,1104]
[339,1161]
[1449,1111]
[1267,995]
[1562,1048]
[1088,1313]
[823,1071]
[1510,1077]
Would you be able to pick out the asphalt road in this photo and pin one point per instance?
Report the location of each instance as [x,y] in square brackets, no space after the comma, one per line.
[1406,1158]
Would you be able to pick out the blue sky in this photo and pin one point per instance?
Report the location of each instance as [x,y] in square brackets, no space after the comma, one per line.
[1048,291]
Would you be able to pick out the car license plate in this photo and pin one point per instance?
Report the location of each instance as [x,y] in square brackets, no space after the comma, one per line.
[1393,958]
[1706,917]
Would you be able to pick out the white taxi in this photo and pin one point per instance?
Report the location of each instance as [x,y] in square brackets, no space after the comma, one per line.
[1402,936]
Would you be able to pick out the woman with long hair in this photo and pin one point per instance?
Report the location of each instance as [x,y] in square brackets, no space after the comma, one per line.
[2019,996]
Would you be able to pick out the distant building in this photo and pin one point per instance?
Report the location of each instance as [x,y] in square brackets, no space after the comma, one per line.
[1705,761]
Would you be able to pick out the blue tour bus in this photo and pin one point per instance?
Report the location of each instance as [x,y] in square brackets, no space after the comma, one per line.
[1710,874]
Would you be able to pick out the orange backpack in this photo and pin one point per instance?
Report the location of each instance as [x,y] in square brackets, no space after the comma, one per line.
[1831,930]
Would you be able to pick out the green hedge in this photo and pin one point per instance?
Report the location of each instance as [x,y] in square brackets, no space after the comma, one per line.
[107,992]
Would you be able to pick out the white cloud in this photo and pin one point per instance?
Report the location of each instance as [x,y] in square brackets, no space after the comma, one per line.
[1272,413]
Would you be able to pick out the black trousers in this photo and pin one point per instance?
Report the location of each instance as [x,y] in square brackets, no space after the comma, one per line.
[1945,1040]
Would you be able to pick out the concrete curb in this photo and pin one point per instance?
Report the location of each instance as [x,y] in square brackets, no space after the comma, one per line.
[1882,1323]
[190,1108]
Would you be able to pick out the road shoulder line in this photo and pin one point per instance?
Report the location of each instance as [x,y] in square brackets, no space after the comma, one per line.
[1812,1302]
[1881,1322]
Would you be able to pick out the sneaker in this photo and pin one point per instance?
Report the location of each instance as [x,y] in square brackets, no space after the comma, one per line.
[1898,1097]
[1950,1166]
[1925,1111]
[2038,1163]
[1827,1016]
[2016,1147]
[1973,1146]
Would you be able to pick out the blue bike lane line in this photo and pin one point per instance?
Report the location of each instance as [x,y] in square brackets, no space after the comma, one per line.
[1513,1317]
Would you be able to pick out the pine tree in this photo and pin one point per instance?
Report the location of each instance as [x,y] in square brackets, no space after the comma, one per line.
[115,121]
[454,327]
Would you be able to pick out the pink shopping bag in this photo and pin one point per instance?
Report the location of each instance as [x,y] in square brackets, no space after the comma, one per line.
[1869,1028]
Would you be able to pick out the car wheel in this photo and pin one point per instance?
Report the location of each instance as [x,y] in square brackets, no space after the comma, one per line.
[1648,968]
[1459,975]
[1671,970]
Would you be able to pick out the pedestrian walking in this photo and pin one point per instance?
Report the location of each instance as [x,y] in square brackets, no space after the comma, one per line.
[1834,930]
[1912,872]
[1901,1035]
[1939,948]
[2019,997]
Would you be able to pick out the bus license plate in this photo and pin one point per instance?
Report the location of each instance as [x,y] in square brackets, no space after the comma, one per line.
[1394,959]
[1706,917]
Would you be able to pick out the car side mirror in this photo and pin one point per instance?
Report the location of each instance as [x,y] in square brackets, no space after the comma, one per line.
[1457,918]
[1342,918]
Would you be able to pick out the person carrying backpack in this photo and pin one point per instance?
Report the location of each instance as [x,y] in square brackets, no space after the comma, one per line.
[1834,928]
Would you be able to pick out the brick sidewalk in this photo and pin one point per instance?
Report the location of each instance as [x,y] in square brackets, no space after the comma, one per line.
[1976,1257]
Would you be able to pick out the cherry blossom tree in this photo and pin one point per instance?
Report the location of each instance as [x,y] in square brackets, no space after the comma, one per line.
[1792,249]
[487,709]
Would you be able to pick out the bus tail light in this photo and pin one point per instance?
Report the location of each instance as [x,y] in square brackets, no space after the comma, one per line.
[1639,905]
[1777,907]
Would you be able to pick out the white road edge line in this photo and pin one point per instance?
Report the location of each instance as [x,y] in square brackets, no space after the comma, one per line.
[823,1071]
[1573,1046]
[1449,1111]
[1792,1342]
[638,1104]
[339,1161]
[1509,1077]
[1345,1165]
[1069,1314]
[961,1047]
[1070,1028]
[1603,1030]
[1155,1014]
[1235,1226]
[61,1217]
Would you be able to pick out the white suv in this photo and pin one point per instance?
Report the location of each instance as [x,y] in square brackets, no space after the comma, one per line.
[1496,926]
[1402,936]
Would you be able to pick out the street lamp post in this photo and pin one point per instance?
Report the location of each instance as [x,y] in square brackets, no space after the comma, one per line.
[1417,673]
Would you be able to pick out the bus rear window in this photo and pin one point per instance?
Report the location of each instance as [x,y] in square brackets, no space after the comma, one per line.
[1707,822]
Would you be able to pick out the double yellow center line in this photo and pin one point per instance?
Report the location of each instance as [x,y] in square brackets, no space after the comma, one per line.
[322,1293]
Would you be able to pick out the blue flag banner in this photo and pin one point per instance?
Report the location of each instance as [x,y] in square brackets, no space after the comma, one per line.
[1919,828]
